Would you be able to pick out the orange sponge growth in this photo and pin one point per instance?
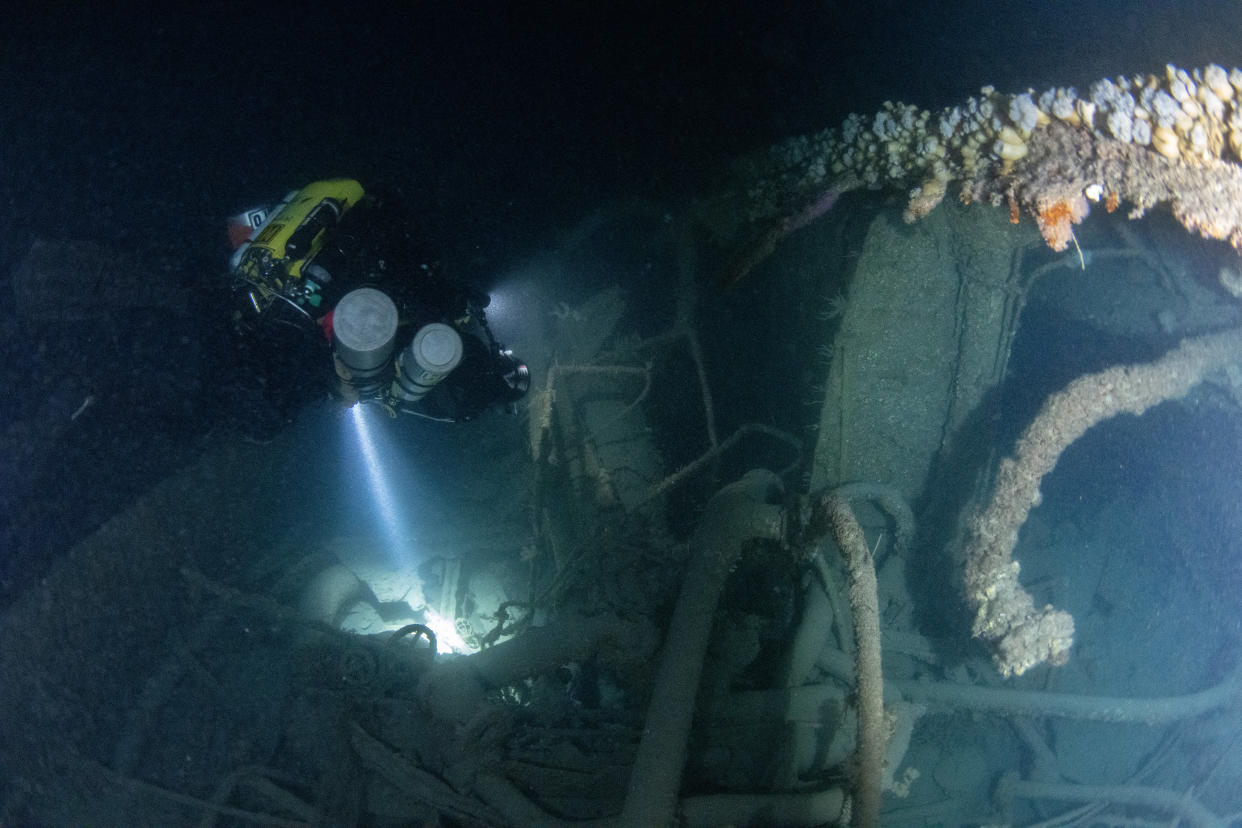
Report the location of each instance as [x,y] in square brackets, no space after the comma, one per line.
[1057,218]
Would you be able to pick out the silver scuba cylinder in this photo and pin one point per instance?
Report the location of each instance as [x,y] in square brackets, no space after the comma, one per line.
[364,327]
[433,354]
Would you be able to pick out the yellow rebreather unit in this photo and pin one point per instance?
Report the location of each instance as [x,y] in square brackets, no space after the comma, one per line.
[277,262]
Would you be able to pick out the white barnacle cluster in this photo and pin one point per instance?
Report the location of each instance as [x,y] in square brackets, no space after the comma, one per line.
[902,144]
[1185,116]
[1177,124]
[1188,116]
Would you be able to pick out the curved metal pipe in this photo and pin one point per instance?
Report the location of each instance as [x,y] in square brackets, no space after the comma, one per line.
[734,515]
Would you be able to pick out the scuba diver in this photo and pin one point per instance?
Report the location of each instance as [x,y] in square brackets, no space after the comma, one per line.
[331,287]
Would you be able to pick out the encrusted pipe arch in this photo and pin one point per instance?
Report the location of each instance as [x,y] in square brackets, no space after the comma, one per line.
[831,512]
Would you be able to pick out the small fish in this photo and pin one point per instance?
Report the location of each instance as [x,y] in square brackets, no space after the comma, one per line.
[86,403]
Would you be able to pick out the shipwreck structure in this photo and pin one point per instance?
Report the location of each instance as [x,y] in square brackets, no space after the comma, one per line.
[728,566]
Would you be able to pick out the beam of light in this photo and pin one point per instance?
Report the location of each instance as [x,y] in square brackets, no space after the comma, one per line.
[516,306]
[380,485]
[394,519]
[446,632]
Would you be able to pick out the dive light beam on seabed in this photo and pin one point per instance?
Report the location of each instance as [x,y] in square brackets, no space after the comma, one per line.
[401,549]
[381,488]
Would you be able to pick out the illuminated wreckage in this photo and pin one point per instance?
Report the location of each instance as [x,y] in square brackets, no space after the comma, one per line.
[495,737]
[1149,140]
[1171,139]
[313,263]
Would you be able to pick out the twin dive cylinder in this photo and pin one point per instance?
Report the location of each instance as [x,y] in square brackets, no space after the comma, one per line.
[364,335]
